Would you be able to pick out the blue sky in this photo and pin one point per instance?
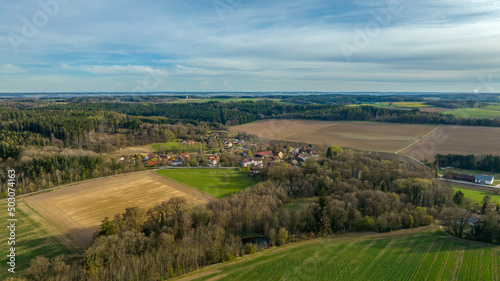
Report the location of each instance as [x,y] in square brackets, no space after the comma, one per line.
[243,45]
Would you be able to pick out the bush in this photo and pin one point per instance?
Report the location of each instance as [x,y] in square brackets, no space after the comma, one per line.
[250,248]
[282,236]
[366,223]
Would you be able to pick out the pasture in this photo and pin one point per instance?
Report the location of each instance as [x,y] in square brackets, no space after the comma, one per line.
[35,236]
[216,182]
[369,136]
[417,254]
[477,195]
[455,140]
[494,106]
[475,112]
[79,209]
[176,147]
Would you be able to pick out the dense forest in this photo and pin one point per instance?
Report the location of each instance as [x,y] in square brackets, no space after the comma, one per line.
[488,163]
[230,114]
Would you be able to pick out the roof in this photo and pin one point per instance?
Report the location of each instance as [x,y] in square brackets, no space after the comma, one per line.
[265,153]
[484,177]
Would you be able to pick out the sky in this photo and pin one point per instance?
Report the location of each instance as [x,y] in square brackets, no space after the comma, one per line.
[250,46]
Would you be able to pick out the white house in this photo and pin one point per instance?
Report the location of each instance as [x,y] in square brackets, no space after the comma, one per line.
[484,179]
[251,161]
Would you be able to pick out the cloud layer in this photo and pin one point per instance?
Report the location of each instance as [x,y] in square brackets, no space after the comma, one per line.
[244,45]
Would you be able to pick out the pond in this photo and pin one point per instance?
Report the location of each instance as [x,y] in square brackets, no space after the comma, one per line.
[261,242]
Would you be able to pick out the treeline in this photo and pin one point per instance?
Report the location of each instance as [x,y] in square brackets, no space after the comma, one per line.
[348,192]
[457,103]
[480,222]
[487,163]
[12,142]
[46,169]
[249,111]
[347,99]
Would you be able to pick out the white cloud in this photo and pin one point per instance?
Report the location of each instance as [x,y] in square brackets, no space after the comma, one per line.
[122,69]
[260,45]
[10,69]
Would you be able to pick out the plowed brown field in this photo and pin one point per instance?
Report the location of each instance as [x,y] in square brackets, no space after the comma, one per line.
[370,136]
[456,140]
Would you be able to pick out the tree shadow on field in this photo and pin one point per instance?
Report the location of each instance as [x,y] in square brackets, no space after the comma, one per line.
[27,249]
[82,236]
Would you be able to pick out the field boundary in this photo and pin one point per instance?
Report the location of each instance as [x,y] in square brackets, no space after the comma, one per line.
[421,138]
[75,183]
[335,237]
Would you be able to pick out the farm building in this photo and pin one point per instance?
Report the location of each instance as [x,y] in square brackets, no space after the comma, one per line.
[460,177]
[484,179]
[263,154]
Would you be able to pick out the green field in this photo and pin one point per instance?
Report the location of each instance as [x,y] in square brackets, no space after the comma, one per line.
[396,105]
[427,254]
[473,113]
[176,147]
[494,106]
[33,238]
[161,146]
[216,182]
[477,195]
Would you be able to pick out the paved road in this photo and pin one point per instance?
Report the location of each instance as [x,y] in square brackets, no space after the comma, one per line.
[472,185]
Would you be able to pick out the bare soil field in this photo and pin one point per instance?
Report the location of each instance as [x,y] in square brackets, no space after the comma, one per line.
[143,149]
[456,140]
[369,136]
[78,210]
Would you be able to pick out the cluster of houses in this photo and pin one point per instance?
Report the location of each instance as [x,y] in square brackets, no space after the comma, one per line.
[479,179]
[251,161]
[295,156]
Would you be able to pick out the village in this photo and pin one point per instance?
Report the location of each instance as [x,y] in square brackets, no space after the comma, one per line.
[243,152]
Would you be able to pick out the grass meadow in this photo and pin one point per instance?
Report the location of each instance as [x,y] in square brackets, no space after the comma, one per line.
[474,113]
[216,182]
[477,195]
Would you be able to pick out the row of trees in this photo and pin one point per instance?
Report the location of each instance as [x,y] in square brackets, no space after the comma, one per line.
[489,163]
